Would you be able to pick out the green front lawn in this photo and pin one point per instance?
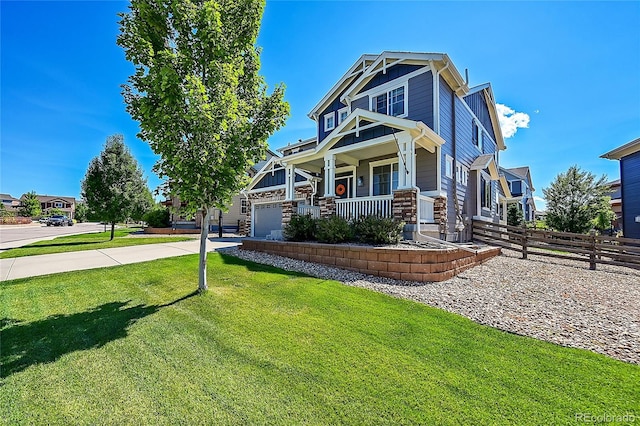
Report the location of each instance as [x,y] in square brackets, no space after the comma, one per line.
[134,345]
[93,241]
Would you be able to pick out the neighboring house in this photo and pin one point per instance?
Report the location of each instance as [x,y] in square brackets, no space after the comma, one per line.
[65,204]
[520,185]
[10,204]
[629,156]
[232,220]
[616,203]
[399,135]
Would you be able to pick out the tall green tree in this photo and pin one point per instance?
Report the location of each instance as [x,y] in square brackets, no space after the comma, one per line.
[81,211]
[574,199]
[197,94]
[114,187]
[30,206]
[515,217]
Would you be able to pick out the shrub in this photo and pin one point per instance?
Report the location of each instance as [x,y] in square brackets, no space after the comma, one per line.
[157,218]
[300,228]
[378,230]
[333,230]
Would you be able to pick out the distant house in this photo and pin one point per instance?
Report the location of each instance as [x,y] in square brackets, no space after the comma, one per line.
[521,189]
[10,203]
[629,156]
[616,202]
[67,205]
[399,135]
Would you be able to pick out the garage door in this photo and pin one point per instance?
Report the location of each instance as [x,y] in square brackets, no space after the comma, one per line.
[267,218]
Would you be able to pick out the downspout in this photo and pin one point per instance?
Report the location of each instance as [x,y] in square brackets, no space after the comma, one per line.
[436,118]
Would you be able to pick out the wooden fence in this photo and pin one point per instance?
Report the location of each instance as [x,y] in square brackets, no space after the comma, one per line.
[589,248]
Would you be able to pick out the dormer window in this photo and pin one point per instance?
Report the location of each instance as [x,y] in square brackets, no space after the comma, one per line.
[329,121]
[390,102]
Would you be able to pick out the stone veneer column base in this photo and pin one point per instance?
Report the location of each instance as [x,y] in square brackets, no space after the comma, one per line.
[289,208]
[327,206]
[440,214]
[405,206]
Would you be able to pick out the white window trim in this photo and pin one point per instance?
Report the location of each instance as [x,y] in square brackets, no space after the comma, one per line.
[388,88]
[462,174]
[448,160]
[381,163]
[487,178]
[340,111]
[243,205]
[326,118]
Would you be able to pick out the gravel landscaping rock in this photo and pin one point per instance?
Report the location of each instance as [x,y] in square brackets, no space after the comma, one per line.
[560,301]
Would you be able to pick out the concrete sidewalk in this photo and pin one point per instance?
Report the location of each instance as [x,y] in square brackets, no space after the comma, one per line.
[31,266]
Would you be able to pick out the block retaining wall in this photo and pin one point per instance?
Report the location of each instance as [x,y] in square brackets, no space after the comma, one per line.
[423,265]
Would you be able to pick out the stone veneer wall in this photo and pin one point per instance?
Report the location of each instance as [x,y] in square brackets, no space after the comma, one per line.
[423,265]
[440,214]
[327,206]
[276,196]
[405,206]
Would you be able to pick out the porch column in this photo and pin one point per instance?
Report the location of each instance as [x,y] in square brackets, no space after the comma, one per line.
[406,161]
[329,175]
[290,181]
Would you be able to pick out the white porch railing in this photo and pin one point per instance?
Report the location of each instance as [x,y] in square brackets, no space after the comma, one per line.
[426,209]
[314,211]
[354,208]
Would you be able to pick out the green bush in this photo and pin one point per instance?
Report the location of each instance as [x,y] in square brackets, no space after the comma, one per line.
[333,230]
[378,230]
[157,218]
[300,228]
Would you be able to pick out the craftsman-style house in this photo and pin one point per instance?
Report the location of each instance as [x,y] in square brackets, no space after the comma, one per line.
[399,135]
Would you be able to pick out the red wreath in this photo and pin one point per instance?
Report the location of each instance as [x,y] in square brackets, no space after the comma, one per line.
[341,189]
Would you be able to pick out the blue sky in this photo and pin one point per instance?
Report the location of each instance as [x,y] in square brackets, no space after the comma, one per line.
[572,67]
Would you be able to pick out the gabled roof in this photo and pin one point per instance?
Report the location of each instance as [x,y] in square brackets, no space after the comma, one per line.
[486,161]
[367,66]
[47,198]
[301,142]
[487,91]
[425,137]
[624,150]
[523,173]
[271,165]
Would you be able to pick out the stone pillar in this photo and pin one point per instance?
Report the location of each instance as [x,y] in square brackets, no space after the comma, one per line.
[405,206]
[440,213]
[289,208]
[327,206]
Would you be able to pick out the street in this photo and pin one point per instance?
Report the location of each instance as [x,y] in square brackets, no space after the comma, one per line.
[19,235]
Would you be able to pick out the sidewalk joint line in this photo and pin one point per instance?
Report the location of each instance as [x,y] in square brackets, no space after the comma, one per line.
[106,254]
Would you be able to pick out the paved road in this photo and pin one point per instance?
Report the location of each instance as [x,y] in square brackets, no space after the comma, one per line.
[19,235]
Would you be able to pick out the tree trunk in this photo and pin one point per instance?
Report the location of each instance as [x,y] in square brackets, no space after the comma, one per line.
[113,225]
[204,234]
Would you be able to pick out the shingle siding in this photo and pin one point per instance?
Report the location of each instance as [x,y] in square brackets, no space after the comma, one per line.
[630,176]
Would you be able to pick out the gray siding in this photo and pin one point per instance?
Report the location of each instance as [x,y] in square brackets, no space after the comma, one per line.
[426,173]
[392,73]
[362,103]
[420,101]
[630,176]
[478,105]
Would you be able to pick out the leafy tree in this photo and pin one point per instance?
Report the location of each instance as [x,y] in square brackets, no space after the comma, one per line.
[574,199]
[113,187]
[81,212]
[30,206]
[514,215]
[605,215]
[4,212]
[197,94]
[55,211]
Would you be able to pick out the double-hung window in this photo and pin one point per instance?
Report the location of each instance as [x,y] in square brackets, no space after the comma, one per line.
[342,114]
[243,206]
[384,178]
[485,192]
[329,121]
[390,102]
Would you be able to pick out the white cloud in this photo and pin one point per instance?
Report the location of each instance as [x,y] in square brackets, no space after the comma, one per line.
[511,121]
[541,203]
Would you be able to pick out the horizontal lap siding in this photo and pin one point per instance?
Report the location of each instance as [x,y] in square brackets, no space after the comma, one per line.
[630,176]
[362,103]
[420,101]
[426,173]
[447,133]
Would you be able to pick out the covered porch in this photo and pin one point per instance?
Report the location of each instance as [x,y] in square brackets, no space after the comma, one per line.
[369,166]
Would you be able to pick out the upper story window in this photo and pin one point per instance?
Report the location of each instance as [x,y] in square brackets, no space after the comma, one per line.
[462,174]
[390,102]
[58,205]
[515,186]
[476,135]
[342,114]
[329,121]
[243,206]
[485,192]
